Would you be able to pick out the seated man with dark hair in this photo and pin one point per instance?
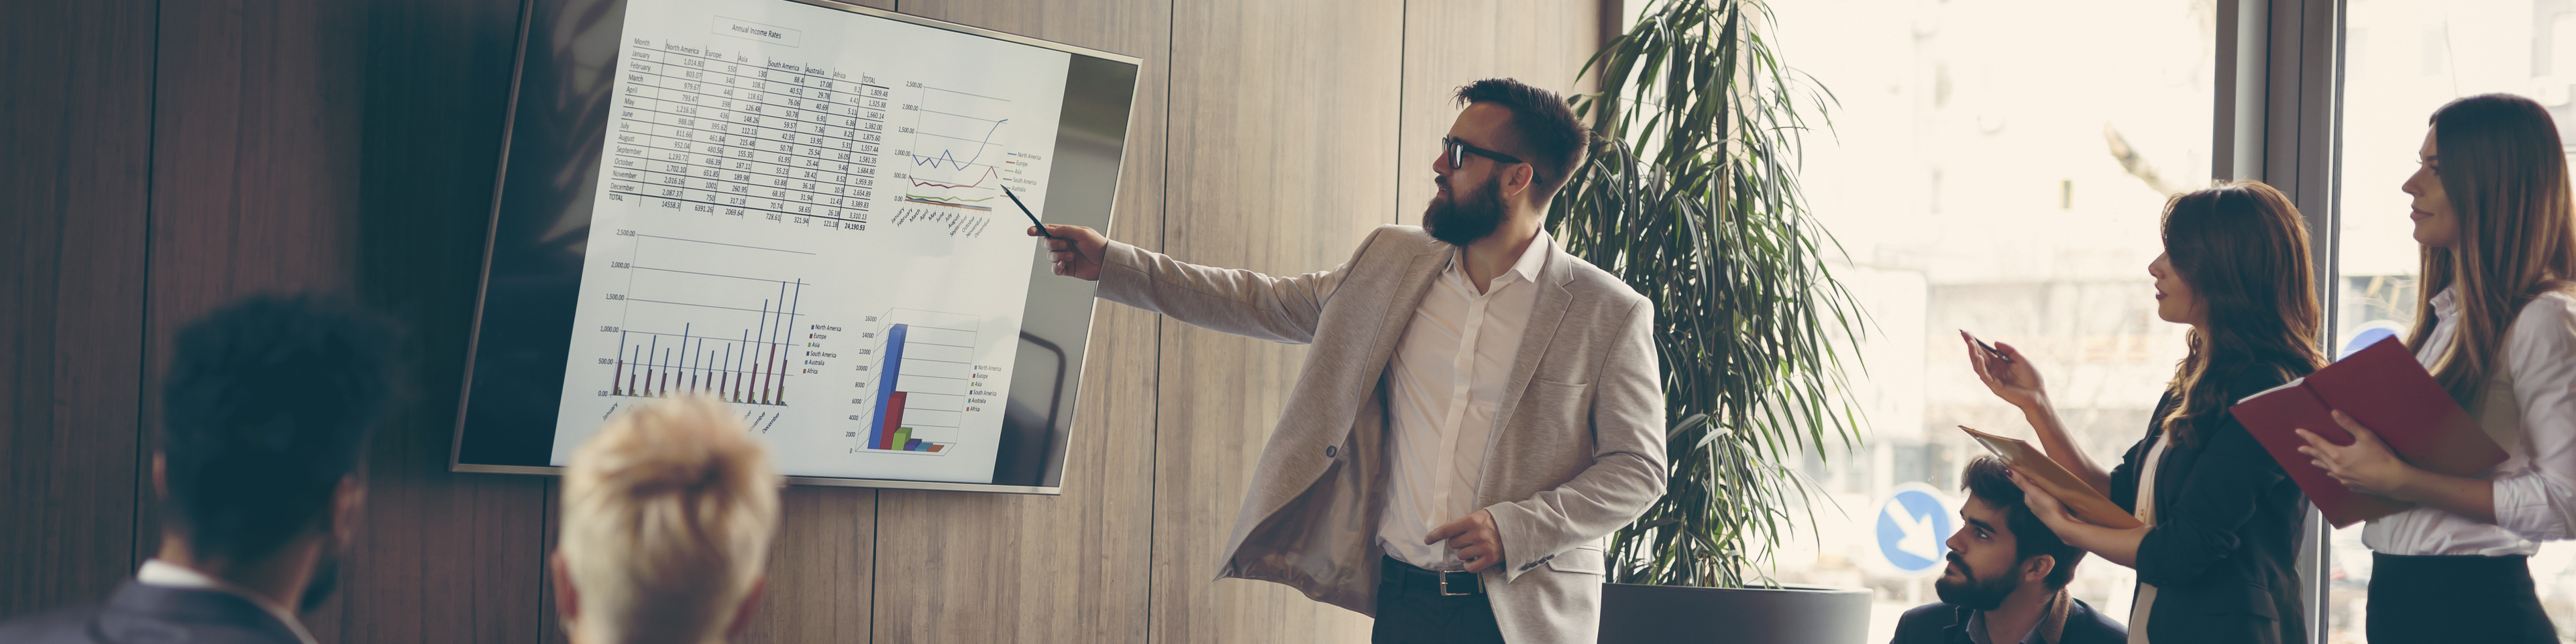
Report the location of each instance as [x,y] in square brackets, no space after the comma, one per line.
[266,411]
[2006,583]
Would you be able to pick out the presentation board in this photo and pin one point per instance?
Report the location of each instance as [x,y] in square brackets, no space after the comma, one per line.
[797,208]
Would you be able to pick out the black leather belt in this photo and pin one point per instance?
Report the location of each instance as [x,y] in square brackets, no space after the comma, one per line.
[1450,583]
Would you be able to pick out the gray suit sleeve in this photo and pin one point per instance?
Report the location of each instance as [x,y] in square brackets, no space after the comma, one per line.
[1241,302]
[1627,472]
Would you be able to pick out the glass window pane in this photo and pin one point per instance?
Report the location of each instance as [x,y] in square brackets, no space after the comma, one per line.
[1997,166]
[2402,60]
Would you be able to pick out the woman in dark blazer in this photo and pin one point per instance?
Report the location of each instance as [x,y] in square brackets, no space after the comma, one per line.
[2214,558]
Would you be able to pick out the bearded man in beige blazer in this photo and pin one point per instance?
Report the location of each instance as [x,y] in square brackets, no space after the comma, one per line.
[1479,410]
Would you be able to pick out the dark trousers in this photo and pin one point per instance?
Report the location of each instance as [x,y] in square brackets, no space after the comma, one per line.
[1410,610]
[2454,599]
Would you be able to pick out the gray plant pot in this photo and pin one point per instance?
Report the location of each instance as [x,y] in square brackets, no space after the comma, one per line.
[1639,613]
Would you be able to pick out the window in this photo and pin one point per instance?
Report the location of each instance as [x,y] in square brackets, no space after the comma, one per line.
[2402,60]
[1998,166]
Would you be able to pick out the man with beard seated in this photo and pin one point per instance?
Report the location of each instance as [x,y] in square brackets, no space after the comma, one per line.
[266,412]
[2006,583]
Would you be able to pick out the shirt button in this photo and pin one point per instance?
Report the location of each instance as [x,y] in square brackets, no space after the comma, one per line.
[1328,451]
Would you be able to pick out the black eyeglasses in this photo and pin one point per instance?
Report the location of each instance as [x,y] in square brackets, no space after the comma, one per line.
[1458,151]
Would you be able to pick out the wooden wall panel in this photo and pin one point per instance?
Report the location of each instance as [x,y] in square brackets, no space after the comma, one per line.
[1072,568]
[1284,117]
[255,151]
[1449,43]
[75,160]
[443,557]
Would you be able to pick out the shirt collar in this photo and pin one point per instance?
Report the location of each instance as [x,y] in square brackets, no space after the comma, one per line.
[2044,631]
[156,572]
[2447,304]
[1532,260]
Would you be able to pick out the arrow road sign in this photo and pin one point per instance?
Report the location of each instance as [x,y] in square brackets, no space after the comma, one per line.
[1913,525]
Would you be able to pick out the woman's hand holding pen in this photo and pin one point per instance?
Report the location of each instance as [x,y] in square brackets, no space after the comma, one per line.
[1077,250]
[2006,373]
[2009,375]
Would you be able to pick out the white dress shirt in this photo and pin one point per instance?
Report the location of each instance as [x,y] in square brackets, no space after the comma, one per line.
[2145,603]
[2535,487]
[1446,384]
[156,572]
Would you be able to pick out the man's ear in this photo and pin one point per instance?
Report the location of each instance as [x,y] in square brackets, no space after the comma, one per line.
[1520,179]
[750,606]
[161,474]
[2035,569]
[567,598]
[348,503]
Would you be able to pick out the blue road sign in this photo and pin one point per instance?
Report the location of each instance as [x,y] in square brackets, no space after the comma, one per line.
[1913,528]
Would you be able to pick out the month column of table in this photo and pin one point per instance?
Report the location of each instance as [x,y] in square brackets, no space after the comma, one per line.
[704,131]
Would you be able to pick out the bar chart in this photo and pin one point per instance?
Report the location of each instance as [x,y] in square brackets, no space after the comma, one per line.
[923,374]
[695,326]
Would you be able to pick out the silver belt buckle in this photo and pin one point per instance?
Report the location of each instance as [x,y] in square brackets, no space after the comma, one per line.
[1444,585]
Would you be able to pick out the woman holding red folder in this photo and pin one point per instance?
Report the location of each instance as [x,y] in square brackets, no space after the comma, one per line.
[2491,209]
[2214,558]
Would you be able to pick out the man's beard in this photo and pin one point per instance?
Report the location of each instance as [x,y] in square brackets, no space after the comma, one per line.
[325,580]
[1467,215]
[1975,594]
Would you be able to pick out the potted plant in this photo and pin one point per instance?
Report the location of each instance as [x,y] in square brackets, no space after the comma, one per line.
[1691,196]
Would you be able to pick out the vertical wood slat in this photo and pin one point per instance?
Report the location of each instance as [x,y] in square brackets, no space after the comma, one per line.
[1283,122]
[72,278]
[1072,567]
[443,557]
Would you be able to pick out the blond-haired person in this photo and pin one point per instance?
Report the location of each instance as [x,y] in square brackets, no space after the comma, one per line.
[668,514]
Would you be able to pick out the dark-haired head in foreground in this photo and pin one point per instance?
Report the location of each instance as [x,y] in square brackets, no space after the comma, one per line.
[265,415]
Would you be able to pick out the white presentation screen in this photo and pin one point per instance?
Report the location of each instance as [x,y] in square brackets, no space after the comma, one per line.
[801,209]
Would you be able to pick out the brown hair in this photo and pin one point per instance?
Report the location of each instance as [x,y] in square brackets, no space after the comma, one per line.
[2243,248]
[2500,162]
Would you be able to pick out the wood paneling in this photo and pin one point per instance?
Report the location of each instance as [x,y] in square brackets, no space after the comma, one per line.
[75,142]
[1450,43]
[443,557]
[350,147]
[1284,117]
[1072,568]
[254,164]
[819,570]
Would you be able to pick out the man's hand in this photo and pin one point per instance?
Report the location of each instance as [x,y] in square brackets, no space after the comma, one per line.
[1474,538]
[1078,251]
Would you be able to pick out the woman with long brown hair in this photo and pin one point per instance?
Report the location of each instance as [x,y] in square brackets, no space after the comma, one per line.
[2214,559]
[2491,209]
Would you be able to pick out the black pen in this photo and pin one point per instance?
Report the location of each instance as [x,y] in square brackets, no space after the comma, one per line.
[1990,349]
[1024,210]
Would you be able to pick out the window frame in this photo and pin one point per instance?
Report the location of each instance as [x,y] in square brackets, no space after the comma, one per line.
[2278,111]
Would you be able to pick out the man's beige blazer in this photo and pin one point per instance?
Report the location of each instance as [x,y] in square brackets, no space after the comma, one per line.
[1577,453]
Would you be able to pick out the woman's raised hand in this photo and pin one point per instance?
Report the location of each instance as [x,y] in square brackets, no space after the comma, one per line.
[2006,373]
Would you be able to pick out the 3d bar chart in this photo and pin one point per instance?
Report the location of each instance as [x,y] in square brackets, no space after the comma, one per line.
[923,371]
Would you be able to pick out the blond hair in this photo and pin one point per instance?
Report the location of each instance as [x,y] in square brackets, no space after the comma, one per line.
[667,518]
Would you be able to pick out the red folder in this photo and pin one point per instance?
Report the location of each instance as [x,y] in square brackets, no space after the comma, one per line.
[2385,389]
